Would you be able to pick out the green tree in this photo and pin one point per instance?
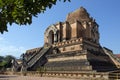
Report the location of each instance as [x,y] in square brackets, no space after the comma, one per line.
[2,65]
[1,58]
[2,62]
[22,11]
[8,60]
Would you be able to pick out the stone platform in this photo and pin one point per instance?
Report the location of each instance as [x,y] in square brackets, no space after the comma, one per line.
[72,45]
[85,60]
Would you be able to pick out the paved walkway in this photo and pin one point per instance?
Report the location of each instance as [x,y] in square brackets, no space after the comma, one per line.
[14,77]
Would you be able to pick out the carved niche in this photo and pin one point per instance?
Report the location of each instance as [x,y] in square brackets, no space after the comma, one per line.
[51,35]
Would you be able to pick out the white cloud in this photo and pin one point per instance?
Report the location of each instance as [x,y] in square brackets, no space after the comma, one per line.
[8,49]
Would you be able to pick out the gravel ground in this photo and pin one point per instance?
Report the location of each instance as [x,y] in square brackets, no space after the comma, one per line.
[14,77]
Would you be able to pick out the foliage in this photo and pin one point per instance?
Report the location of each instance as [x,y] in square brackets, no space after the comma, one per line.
[3,63]
[1,58]
[6,61]
[21,11]
[8,58]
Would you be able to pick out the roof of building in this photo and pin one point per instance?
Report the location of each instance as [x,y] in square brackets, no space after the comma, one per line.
[118,55]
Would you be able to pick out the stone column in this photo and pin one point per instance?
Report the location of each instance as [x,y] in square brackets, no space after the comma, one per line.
[58,36]
[55,38]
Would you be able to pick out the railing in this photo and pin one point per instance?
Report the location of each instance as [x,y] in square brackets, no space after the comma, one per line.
[114,59]
[113,56]
[15,65]
[37,57]
[34,54]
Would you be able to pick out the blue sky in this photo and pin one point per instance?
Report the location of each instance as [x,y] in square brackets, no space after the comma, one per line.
[106,12]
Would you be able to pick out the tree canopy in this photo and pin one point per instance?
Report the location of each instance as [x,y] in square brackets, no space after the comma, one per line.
[21,11]
[5,62]
[1,58]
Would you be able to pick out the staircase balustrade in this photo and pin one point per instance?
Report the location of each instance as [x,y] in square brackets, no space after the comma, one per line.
[37,57]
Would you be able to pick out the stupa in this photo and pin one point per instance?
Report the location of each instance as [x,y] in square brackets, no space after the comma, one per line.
[72,45]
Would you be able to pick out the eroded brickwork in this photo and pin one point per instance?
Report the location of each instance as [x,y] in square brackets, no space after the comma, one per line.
[77,25]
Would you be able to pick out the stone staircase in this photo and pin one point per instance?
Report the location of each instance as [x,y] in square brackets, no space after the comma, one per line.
[32,56]
[16,67]
[114,75]
[100,61]
[32,61]
[112,57]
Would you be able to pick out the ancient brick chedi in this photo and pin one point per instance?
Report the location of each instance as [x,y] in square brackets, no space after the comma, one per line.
[69,35]
[72,45]
[76,45]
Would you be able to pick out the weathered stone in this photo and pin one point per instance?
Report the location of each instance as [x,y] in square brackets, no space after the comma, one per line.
[77,40]
[74,47]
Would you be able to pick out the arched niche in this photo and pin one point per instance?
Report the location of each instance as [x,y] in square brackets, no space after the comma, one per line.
[51,34]
[51,37]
